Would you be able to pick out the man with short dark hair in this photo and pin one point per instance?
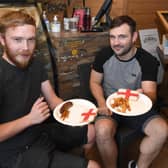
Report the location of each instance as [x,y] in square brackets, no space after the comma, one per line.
[123,65]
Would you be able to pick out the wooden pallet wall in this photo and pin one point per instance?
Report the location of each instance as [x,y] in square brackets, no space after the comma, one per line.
[144,11]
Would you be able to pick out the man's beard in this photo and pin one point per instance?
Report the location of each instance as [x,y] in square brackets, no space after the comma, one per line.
[17,58]
[125,51]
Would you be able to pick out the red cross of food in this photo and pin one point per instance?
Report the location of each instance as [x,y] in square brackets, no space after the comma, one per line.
[127,93]
[88,114]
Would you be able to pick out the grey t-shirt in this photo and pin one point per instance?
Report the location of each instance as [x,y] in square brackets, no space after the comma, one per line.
[125,74]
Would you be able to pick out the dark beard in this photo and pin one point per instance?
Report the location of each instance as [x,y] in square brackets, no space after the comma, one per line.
[124,52]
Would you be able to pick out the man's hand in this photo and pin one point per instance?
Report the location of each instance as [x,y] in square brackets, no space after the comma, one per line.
[39,112]
[104,111]
[140,90]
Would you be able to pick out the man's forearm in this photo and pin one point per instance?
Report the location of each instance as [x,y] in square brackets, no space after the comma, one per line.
[98,94]
[152,96]
[12,128]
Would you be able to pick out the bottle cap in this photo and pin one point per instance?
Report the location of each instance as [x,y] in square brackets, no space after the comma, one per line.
[87,11]
[55,18]
[44,15]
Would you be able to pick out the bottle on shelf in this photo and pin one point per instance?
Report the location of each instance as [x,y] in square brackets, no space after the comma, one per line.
[87,20]
[46,21]
[66,24]
[55,25]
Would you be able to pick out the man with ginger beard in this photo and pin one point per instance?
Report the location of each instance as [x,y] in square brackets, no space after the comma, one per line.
[26,140]
[21,58]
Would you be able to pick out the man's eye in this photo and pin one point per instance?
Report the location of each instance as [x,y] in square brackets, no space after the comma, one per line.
[122,37]
[32,40]
[112,37]
[18,40]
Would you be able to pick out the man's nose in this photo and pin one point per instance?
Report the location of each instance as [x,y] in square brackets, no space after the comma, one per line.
[25,44]
[116,41]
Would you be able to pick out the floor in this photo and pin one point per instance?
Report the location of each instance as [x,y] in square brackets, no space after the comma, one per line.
[132,153]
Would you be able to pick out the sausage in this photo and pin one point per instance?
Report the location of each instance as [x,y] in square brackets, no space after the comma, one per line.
[64,110]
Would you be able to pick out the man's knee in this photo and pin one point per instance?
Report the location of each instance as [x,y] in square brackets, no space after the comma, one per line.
[105,128]
[157,128]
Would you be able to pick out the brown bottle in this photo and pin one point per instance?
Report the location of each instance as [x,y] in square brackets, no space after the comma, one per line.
[87,20]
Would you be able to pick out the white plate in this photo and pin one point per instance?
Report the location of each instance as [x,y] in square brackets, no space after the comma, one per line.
[76,116]
[141,106]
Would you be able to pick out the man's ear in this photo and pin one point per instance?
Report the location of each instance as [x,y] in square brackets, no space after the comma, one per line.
[2,39]
[135,36]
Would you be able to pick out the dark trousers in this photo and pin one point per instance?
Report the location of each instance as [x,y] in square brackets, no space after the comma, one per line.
[50,149]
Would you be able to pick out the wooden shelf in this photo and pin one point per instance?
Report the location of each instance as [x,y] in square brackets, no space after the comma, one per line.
[163,20]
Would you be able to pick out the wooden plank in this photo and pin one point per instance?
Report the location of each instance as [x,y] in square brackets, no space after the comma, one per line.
[72,50]
[150,1]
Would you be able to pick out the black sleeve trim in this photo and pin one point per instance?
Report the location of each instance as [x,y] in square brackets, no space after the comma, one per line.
[101,57]
[149,65]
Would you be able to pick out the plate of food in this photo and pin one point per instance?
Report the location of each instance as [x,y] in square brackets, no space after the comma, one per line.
[128,102]
[75,112]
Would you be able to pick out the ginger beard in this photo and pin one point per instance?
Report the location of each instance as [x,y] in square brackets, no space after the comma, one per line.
[19,44]
[20,58]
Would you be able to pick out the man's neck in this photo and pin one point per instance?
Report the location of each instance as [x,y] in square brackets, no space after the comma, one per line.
[4,56]
[129,55]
